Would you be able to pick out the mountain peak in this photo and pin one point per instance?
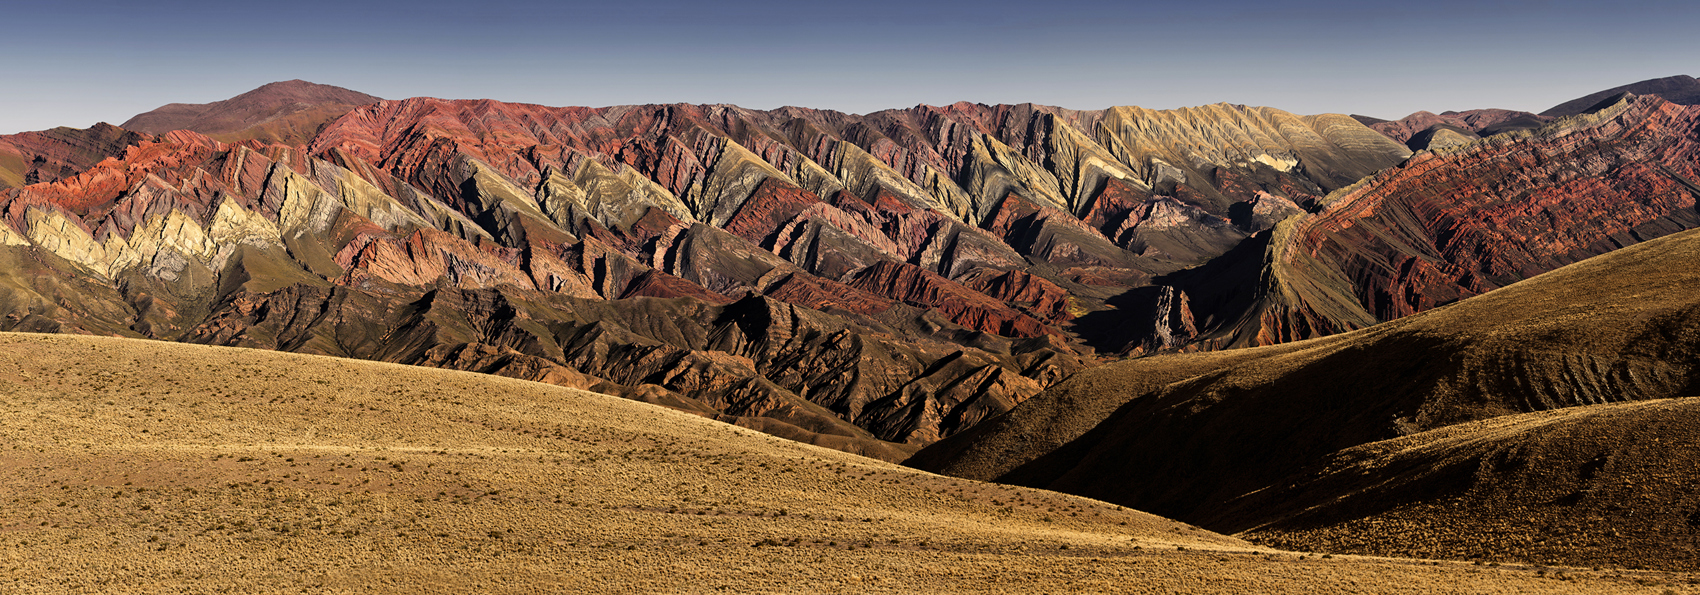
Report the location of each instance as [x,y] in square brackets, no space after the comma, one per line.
[1680,89]
[284,111]
[304,91]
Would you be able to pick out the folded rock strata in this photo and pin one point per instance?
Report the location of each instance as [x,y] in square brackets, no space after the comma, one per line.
[873,283]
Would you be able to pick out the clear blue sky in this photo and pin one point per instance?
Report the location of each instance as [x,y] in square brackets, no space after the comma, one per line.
[76,62]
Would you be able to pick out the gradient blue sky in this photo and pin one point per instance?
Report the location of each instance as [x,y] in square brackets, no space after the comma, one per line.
[79,62]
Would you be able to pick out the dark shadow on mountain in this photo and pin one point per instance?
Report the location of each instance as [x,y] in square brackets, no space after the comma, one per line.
[1220,292]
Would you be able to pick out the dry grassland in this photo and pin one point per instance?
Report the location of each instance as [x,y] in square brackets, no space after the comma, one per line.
[1601,485]
[135,466]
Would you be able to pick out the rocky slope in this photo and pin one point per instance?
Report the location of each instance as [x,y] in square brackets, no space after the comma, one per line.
[1446,225]
[871,283]
[288,112]
[1288,439]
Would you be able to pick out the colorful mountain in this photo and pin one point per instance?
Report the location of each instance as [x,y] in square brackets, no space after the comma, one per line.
[870,283]
[1449,224]
[953,280]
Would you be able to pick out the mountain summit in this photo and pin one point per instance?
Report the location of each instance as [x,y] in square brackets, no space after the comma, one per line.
[289,112]
[1680,89]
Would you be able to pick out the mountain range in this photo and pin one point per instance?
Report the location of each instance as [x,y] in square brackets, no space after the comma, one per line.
[869,282]
[1456,335]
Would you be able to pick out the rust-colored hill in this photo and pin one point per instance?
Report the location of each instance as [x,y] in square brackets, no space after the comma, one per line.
[51,155]
[288,112]
[1242,439]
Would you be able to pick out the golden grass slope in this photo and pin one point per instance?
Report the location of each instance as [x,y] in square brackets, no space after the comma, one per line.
[1600,484]
[136,466]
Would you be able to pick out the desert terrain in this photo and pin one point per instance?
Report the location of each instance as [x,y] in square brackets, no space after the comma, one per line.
[132,466]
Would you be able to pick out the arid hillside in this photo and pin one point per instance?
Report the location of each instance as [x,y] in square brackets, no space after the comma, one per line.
[1582,486]
[1276,437]
[142,466]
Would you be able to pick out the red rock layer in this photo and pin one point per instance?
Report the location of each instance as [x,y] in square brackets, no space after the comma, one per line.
[1444,227]
[923,288]
[814,292]
[1037,297]
[662,285]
